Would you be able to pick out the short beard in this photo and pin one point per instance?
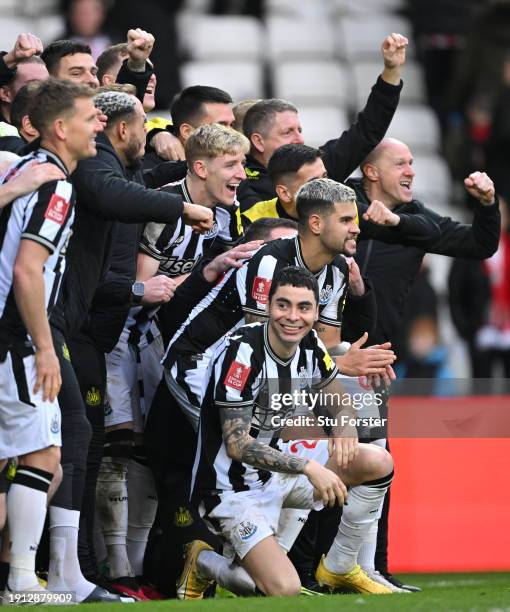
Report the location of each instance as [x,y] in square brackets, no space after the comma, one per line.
[132,155]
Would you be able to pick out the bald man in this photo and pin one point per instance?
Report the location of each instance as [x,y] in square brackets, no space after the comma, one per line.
[388,175]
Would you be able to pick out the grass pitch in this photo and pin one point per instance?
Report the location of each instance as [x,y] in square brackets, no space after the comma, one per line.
[452,592]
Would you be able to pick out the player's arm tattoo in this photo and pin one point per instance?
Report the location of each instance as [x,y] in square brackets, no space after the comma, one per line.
[235,423]
[253,318]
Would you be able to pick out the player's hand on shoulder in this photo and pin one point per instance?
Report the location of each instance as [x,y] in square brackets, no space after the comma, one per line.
[234,258]
[168,147]
[199,217]
[393,50]
[481,187]
[356,284]
[35,175]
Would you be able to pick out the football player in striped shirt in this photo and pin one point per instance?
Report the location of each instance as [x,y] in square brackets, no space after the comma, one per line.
[242,478]
[328,229]
[216,156]
[34,231]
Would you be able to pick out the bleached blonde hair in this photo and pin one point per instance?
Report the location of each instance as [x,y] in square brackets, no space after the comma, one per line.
[213,140]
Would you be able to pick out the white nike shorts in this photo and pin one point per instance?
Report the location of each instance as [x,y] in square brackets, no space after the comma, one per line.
[27,423]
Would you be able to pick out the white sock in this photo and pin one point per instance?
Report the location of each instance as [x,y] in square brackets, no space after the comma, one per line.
[359,514]
[143,504]
[228,575]
[64,573]
[289,526]
[112,506]
[366,555]
[26,511]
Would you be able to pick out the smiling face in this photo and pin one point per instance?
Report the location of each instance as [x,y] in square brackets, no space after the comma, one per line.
[80,68]
[339,229]
[149,101]
[390,175]
[285,129]
[81,128]
[292,314]
[222,176]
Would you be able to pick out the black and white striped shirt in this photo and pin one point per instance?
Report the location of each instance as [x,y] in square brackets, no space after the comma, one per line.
[176,246]
[44,216]
[178,249]
[248,374]
[247,290]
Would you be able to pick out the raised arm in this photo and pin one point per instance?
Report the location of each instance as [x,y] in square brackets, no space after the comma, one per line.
[479,240]
[344,154]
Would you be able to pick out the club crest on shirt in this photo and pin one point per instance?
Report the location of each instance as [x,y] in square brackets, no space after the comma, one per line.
[246,530]
[260,289]
[57,209]
[325,294]
[237,376]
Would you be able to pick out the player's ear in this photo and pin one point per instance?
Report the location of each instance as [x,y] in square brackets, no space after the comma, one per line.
[315,224]
[316,313]
[185,131]
[5,95]
[200,168]
[283,193]
[257,140]
[370,172]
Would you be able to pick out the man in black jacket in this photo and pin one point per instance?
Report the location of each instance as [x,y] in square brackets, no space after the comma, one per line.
[269,124]
[388,176]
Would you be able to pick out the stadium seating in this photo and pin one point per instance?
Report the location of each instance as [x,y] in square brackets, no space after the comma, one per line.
[432,182]
[360,37]
[10,27]
[365,74]
[295,39]
[49,27]
[211,38]
[240,79]
[418,127]
[367,8]
[311,83]
[321,123]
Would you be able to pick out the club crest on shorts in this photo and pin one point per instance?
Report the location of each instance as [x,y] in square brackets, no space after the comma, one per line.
[93,397]
[183,517]
[55,424]
[107,407]
[246,529]
[325,294]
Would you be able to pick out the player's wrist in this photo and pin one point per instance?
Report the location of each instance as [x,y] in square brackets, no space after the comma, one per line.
[10,60]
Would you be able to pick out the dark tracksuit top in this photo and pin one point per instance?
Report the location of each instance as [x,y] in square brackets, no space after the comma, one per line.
[392,268]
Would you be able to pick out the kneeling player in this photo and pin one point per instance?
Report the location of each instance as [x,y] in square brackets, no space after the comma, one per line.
[241,477]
